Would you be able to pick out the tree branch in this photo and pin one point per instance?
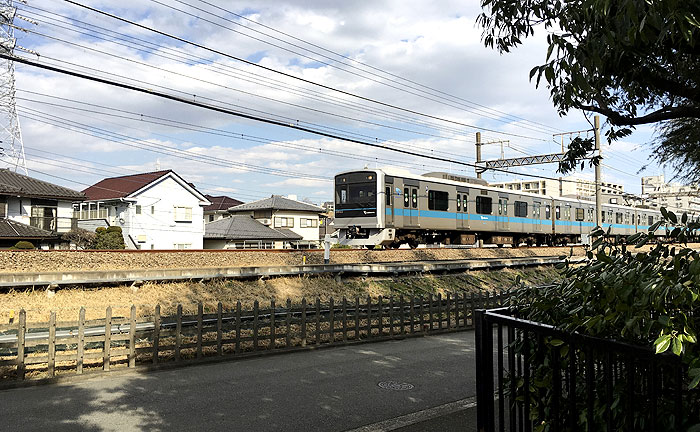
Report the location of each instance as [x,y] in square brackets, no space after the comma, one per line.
[653,117]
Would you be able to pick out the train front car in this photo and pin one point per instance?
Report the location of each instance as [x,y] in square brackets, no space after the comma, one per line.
[359,209]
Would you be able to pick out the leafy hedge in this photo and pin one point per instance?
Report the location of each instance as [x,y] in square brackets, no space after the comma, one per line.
[645,298]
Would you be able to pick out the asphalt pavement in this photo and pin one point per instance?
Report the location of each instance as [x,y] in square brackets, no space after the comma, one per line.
[409,385]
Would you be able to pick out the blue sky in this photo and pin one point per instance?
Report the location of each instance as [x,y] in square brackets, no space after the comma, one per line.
[387,43]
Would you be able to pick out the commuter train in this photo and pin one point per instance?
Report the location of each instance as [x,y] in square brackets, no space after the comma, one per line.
[382,207]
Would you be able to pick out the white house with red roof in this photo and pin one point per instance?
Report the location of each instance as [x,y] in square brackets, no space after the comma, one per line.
[155,210]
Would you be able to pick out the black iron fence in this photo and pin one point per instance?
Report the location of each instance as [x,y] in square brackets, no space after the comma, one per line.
[533,377]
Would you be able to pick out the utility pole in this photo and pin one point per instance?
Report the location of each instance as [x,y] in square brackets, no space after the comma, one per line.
[11,144]
[598,197]
[478,153]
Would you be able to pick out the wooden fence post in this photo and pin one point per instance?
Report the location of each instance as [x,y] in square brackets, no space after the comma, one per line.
[380,328]
[108,339]
[402,315]
[318,320]
[219,328]
[439,310]
[237,349]
[178,331]
[447,307]
[473,309]
[272,325]
[412,314]
[391,316]
[81,340]
[200,312]
[132,337]
[21,331]
[331,319]
[288,336]
[52,344]
[345,319]
[357,318]
[369,317]
[430,311]
[422,314]
[303,322]
[256,305]
[156,334]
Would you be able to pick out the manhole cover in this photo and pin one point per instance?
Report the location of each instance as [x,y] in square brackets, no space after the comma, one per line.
[393,385]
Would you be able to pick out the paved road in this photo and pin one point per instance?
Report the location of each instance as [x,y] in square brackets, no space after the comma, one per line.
[325,390]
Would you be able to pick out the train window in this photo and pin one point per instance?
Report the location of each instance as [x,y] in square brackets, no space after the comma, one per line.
[464,203]
[618,218]
[639,219]
[484,205]
[341,195]
[557,212]
[414,198]
[567,212]
[651,220]
[547,212]
[520,209]
[627,218]
[387,198]
[579,214]
[438,200]
[459,202]
[602,216]
[405,197]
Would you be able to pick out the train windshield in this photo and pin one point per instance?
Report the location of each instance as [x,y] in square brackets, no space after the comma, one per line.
[356,191]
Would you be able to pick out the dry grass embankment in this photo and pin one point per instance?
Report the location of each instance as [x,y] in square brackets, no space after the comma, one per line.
[43,261]
[67,302]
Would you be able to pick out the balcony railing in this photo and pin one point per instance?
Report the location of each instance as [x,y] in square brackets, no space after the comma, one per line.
[91,214]
[54,224]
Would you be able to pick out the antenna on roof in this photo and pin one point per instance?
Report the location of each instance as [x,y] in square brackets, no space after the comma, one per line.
[157,164]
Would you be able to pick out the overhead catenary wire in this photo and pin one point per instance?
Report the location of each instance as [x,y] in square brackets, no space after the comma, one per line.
[166,96]
[358,62]
[289,75]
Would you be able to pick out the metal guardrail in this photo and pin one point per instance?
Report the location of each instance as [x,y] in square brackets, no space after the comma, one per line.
[543,378]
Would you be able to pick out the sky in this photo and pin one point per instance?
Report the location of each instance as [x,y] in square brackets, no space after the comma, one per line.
[411,75]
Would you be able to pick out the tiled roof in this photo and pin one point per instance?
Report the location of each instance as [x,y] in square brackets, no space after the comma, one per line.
[120,187]
[277,202]
[10,229]
[244,227]
[12,183]
[221,203]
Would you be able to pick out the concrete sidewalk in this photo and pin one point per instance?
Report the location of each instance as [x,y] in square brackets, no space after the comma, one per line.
[455,416]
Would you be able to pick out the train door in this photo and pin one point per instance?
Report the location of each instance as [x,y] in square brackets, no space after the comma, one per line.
[462,209]
[389,204]
[536,217]
[413,212]
[502,214]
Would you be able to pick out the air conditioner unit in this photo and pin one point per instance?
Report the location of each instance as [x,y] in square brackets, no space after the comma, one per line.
[267,222]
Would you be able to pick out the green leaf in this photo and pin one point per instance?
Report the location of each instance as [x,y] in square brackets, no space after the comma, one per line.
[677,346]
[662,343]
[556,342]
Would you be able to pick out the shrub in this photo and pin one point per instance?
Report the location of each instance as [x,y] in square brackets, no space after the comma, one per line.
[109,238]
[82,238]
[645,298]
[23,245]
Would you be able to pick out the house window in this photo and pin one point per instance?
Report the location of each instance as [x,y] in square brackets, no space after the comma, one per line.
[3,207]
[183,214]
[308,223]
[520,209]
[211,218]
[483,205]
[138,209]
[182,246]
[438,200]
[284,222]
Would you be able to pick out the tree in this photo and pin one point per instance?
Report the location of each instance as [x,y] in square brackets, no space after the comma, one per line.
[81,238]
[109,238]
[633,61]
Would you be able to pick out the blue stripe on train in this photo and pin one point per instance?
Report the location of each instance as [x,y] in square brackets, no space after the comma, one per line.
[509,219]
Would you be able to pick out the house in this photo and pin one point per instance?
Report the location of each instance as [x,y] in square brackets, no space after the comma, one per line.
[279,212]
[244,232]
[34,210]
[218,209]
[156,210]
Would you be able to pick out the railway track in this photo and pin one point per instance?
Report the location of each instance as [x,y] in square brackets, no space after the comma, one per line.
[106,277]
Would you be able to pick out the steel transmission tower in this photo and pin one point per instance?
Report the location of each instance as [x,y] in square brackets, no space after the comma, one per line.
[11,144]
